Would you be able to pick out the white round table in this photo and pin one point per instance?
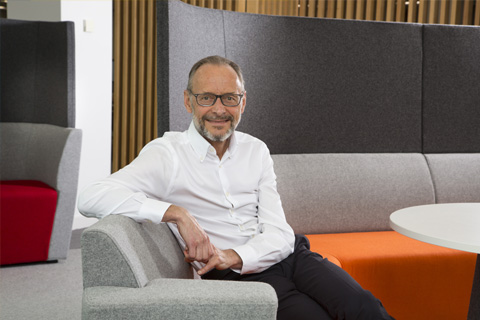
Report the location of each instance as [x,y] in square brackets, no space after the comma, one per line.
[451,225]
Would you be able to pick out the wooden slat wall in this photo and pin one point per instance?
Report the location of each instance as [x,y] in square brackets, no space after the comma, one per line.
[465,12]
[135,92]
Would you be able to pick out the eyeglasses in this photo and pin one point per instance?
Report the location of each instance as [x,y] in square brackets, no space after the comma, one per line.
[209,99]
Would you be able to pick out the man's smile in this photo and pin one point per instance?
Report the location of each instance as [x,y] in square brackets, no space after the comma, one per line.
[219,121]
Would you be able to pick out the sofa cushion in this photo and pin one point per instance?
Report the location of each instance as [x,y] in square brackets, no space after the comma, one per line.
[455,177]
[182,299]
[27,212]
[332,193]
[414,280]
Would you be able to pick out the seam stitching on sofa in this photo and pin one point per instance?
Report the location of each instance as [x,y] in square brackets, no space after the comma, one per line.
[431,178]
[422,107]
[224,35]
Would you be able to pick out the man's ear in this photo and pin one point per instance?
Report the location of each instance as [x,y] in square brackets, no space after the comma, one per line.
[244,101]
[186,101]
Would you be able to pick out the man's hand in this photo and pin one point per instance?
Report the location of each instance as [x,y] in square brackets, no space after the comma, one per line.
[221,260]
[198,244]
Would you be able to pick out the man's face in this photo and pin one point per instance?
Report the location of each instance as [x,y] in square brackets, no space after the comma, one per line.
[217,122]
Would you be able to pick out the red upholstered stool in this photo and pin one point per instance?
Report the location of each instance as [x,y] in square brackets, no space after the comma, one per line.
[434,282]
[27,211]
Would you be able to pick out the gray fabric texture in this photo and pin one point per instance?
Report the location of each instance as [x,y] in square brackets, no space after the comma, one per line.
[185,35]
[334,193]
[356,88]
[50,154]
[182,299]
[126,266]
[137,252]
[38,72]
[451,89]
[456,177]
[67,184]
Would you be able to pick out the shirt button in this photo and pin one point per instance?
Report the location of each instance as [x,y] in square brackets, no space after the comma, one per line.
[227,194]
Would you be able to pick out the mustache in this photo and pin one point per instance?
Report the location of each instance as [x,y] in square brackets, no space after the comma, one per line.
[213,118]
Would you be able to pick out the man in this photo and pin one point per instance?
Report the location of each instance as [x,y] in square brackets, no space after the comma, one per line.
[216,188]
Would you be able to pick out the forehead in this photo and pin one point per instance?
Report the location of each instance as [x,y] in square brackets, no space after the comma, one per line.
[216,78]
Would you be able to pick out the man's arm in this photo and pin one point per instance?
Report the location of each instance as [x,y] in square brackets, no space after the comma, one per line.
[198,246]
[134,192]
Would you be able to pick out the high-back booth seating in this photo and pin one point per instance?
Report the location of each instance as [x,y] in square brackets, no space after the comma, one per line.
[362,118]
[39,145]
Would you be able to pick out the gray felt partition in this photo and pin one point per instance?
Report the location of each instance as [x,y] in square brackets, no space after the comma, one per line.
[313,85]
[38,72]
[331,86]
[451,89]
[321,85]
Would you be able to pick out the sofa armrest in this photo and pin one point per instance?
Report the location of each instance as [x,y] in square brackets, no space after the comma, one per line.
[182,299]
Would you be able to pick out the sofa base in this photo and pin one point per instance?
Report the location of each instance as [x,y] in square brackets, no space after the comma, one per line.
[434,282]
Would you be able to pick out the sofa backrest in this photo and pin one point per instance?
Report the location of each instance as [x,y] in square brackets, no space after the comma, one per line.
[456,177]
[362,117]
[332,193]
[47,153]
[313,85]
[38,72]
[329,85]
[451,89]
[137,252]
[35,151]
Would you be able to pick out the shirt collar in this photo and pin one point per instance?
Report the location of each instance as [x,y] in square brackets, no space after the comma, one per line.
[202,146]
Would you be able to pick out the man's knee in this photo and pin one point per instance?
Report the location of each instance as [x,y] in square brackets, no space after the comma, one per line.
[299,306]
[363,305]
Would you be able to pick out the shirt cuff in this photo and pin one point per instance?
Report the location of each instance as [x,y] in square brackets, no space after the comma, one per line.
[154,210]
[249,263]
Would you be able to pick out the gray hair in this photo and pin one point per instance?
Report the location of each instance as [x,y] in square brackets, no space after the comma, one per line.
[215,60]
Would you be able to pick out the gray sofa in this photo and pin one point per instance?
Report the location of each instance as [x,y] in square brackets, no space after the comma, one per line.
[362,119]
[137,271]
[38,138]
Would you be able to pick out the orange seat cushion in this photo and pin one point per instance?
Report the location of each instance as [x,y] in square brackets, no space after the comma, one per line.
[413,279]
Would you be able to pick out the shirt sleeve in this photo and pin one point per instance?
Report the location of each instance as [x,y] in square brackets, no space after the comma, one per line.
[275,238]
[134,191]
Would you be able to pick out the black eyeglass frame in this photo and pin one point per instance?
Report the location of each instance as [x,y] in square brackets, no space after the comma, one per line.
[216,97]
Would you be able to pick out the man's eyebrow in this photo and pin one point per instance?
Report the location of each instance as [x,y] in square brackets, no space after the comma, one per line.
[219,94]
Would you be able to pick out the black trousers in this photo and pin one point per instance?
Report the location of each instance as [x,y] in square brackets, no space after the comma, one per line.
[311,287]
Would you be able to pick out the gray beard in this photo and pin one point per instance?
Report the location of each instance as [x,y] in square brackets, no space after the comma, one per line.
[200,126]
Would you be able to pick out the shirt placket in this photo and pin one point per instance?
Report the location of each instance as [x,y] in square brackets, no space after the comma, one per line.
[226,187]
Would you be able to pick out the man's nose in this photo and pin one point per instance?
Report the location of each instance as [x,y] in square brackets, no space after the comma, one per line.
[218,107]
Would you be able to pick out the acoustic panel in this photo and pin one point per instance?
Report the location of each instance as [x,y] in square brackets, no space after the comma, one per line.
[451,89]
[38,72]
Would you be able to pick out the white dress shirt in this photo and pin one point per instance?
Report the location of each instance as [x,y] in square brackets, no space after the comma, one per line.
[235,199]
